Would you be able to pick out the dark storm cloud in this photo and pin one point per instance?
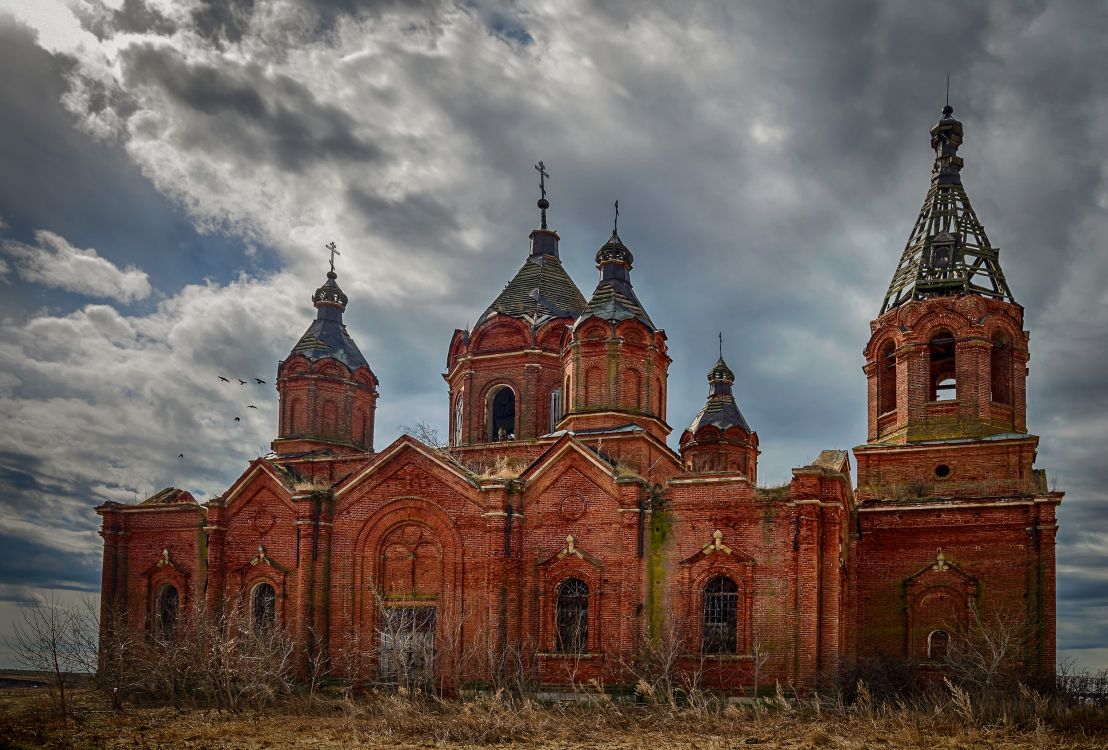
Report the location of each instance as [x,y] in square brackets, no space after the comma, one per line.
[223,19]
[241,108]
[132,17]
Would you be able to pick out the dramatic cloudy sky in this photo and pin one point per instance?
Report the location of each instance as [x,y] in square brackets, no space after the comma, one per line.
[170,171]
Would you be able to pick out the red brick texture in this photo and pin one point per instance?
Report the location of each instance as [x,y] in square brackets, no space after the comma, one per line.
[814,573]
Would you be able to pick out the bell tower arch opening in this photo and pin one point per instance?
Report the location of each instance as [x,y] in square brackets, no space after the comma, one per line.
[502,414]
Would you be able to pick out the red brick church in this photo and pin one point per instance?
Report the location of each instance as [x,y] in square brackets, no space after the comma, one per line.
[560,524]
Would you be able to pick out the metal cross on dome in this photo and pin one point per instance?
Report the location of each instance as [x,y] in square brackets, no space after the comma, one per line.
[543,174]
[334,251]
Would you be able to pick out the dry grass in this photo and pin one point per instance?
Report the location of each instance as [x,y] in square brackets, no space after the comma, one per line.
[397,722]
[503,468]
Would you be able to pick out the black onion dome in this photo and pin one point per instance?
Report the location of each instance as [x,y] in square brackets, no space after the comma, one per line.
[720,410]
[614,299]
[326,337]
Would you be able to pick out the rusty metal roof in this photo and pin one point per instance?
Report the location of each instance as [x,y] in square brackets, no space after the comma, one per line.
[614,299]
[540,290]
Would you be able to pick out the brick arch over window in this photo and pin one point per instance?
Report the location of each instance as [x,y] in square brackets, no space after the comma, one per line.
[410,563]
[383,534]
[630,387]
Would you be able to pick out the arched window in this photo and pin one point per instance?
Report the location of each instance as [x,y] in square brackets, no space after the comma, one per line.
[944,383]
[555,408]
[263,605]
[572,617]
[1000,368]
[886,378]
[502,414]
[721,616]
[165,611]
[458,420]
[938,645]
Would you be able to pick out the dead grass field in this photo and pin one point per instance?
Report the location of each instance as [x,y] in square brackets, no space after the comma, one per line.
[27,721]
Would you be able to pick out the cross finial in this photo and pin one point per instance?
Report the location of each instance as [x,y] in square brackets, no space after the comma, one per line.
[543,174]
[334,251]
[615,222]
[543,203]
[721,344]
[948,89]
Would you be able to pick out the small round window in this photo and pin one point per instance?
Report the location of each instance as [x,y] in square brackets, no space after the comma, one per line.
[942,471]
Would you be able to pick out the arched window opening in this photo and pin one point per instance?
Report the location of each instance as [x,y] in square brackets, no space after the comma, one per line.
[572,617]
[944,384]
[457,434]
[263,605]
[502,414]
[938,645]
[721,616]
[886,379]
[1000,368]
[555,409]
[166,610]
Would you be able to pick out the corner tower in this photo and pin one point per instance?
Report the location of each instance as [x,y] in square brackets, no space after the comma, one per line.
[615,362]
[328,394]
[505,375]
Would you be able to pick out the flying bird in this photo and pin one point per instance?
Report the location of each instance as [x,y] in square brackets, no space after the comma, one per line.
[241,381]
[225,380]
[180,455]
[251,406]
[260,381]
[237,419]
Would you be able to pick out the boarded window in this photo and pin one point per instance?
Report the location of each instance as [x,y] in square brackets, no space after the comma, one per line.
[721,616]
[572,617]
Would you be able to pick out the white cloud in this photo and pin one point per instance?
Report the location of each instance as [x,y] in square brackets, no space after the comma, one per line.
[54,262]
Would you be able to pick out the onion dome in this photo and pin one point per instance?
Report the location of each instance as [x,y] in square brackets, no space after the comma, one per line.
[614,299]
[720,410]
[327,336]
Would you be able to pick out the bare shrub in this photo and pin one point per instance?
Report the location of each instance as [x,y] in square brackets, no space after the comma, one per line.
[58,641]
[986,652]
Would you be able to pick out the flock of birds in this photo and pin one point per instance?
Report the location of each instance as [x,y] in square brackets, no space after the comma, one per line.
[257,381]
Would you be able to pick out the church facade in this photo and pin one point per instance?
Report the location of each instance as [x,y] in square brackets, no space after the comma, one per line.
[558,524]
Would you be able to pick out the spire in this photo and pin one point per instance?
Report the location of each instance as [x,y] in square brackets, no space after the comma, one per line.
[327,336]
[720,409]
[948,252]
[614,298]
